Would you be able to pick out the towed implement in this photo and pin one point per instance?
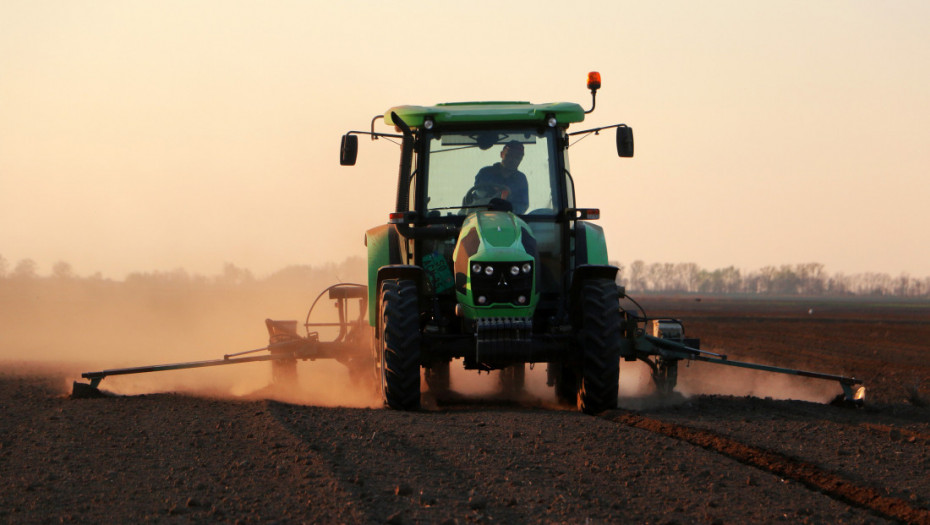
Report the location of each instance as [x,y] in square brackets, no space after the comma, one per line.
[487,260]
[286,346]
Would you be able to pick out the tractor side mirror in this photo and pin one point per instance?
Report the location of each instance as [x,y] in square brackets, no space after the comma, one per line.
[625,141]
[348,150]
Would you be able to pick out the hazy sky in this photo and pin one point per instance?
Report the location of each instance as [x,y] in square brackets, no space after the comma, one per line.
[141,136]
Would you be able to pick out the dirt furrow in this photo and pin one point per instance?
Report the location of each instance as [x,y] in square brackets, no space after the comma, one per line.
[487,462]
[811,475]
[876,447]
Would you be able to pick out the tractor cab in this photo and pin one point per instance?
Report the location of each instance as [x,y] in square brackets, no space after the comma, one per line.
[466,160]
[506,181]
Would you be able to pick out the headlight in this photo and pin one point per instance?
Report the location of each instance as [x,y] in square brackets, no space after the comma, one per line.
[476,268]
[488,270]
[527,267]
[514,270]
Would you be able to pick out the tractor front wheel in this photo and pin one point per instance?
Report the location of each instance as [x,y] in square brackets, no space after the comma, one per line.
[600,338]
[400,344]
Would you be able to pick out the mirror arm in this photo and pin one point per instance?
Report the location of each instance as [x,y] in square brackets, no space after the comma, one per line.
[595,130]
[375,136]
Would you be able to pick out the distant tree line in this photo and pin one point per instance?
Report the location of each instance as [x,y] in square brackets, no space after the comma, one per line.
[787,279]
[293,283]
[638,277]
[28,269]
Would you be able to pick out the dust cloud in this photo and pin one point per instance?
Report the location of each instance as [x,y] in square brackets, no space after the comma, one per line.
[77,325]
[637,390]
[484,385]
[707,378]
[319,383]
[80,325]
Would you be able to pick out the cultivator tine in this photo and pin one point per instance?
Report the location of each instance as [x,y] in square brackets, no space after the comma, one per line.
[853,394]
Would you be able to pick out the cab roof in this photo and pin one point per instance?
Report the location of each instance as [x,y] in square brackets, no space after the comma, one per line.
[465,113]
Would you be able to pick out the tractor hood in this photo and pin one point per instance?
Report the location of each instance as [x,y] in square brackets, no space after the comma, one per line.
[498,229]
[495,264]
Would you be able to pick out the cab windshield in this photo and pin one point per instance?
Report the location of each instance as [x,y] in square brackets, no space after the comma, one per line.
[466,169]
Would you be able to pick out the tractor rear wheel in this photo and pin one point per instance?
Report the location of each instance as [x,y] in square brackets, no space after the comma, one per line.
[400,344]
[600,337]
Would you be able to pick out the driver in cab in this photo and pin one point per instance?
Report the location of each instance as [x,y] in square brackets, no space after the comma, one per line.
[505,174]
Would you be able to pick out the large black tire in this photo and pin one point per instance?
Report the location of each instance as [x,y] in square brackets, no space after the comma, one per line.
[400,345]
[600,338]
[513,379]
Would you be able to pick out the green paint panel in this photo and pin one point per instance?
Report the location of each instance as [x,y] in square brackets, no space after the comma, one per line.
[498,229]
[597,244]
[377,240]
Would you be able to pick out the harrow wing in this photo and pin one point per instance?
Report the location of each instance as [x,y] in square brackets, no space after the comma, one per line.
[350,346]
[661,344]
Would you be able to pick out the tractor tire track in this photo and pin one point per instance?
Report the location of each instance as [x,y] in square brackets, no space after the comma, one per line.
[810,475]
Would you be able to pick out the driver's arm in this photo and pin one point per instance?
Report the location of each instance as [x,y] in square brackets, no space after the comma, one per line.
[483,176]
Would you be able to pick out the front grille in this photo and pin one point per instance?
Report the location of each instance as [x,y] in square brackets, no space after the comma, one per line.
[501,286]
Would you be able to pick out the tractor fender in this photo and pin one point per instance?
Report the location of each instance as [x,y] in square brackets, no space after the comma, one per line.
[590,244]
[384,249]
[401,272]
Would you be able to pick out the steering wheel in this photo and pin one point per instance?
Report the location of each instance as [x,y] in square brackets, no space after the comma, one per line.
[480,194]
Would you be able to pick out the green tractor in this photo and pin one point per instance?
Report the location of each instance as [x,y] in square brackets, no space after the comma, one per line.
[486,257]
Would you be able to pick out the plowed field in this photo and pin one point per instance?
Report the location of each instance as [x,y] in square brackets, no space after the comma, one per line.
[734,447]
